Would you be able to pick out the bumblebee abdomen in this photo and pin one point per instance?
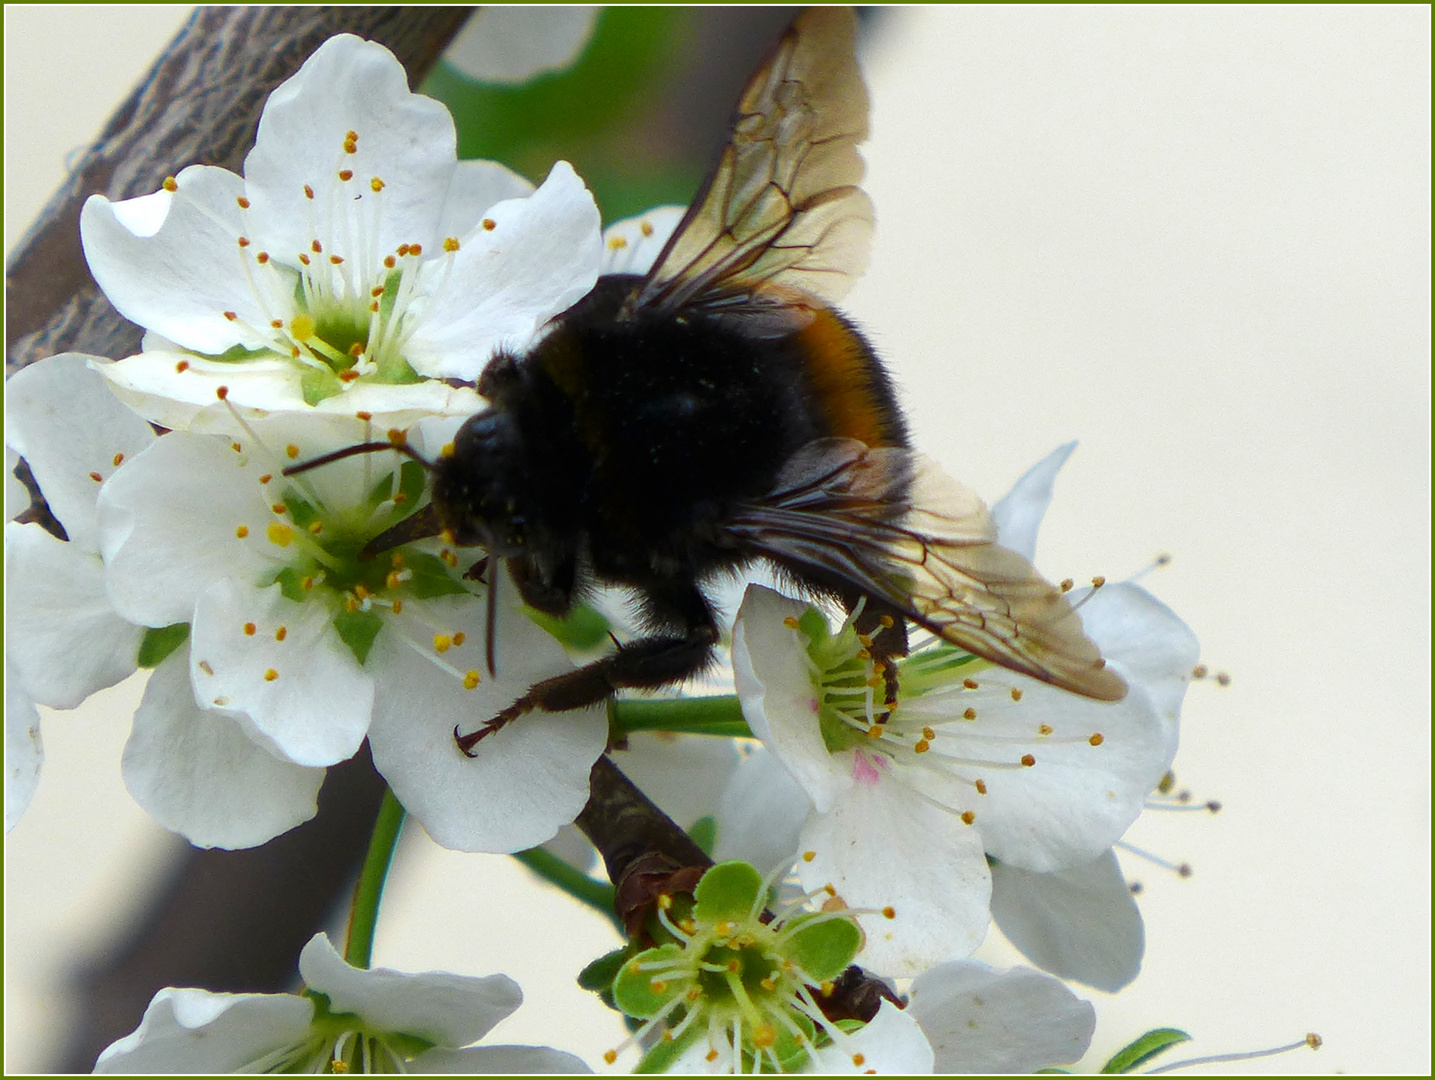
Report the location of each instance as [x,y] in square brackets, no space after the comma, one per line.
[850,388]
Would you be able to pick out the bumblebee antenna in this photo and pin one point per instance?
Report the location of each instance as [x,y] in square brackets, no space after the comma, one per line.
[391,443]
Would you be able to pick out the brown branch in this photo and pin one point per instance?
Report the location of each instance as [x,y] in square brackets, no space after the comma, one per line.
[199,104]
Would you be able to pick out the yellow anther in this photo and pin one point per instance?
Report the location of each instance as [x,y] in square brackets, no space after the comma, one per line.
[316,527]
[181,367]
[645,228]
[1045,729]
[242,531]
[981,787]
[617,243]
[470,680]
[450,243]
[889,912]
[968,817]
[345,175]
[270,675]
[790,622]
[1097,739]
[170,184]
[301,327]
[375,184]
[921,746]
[489,224]
[969,714]
[279,534]
[459,638]
[1066,584]
[611,1056]
[308,192]
[1028,760]
[250,628]
[281,633]
[1015,694]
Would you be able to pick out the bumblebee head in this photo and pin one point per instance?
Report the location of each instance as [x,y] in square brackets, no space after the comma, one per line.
[478,488]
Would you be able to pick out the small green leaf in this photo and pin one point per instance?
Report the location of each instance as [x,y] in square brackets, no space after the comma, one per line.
[583,628]
[633,988]
[159,642]
[431,577]
[704,834]
[728,892]
[599,974]
[823,945]
[1145,1048]
[357,629]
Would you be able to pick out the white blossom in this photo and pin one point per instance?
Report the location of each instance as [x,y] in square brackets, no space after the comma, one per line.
[975,761]
[355,266]
[349,1020]
[306,648]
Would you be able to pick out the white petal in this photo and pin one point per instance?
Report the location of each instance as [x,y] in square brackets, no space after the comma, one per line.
[24,753]
[1018,515]
[497,1060]
[777,695]
[527,780]
[881,846]
[180,278]
[683,774]
[1153,647]
[170,523]
[1014,1021]
[509,46]
[476,186]
[761,814]
[63,419]
[632,245]
[891,1044]
[63,639]
[505,283]
[404,139]
[194,1031]
[446,1009]
[196,771]
[1079,923]
[1079,798]
[172,388]
[293,678]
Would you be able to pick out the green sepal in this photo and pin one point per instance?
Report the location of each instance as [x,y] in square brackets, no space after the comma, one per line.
[704,834]
[664,1055]
[633,989]
[1137,1053]
[159,641]
[291,584]
[823,946]
[727,892]
[358,629]
[238,353]
[301,510]
[431,577]
[318,384]
[812,625]
[582,629]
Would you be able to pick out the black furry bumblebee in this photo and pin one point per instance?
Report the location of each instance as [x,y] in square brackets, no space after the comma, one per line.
[717,410]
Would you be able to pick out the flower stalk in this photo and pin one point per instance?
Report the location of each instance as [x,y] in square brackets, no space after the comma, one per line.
[369,892]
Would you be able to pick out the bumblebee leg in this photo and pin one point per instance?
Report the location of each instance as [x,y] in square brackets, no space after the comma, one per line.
[888,631]
[642,664]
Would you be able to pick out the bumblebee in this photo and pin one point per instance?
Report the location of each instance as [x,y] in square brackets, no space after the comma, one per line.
[717,410]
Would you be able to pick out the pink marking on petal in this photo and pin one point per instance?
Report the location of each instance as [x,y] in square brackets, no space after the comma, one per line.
[864,770]
[814,705]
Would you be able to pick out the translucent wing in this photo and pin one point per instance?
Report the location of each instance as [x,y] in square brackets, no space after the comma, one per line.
[780,218]
[891,524]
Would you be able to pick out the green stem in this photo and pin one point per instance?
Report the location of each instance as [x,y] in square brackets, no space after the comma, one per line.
[596,894]
[364,915]
[719,715]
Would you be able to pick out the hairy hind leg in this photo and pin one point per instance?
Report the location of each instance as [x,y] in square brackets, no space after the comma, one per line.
[647,663]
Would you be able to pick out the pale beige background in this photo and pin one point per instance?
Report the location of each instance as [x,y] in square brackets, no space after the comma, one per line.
[1196,239]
